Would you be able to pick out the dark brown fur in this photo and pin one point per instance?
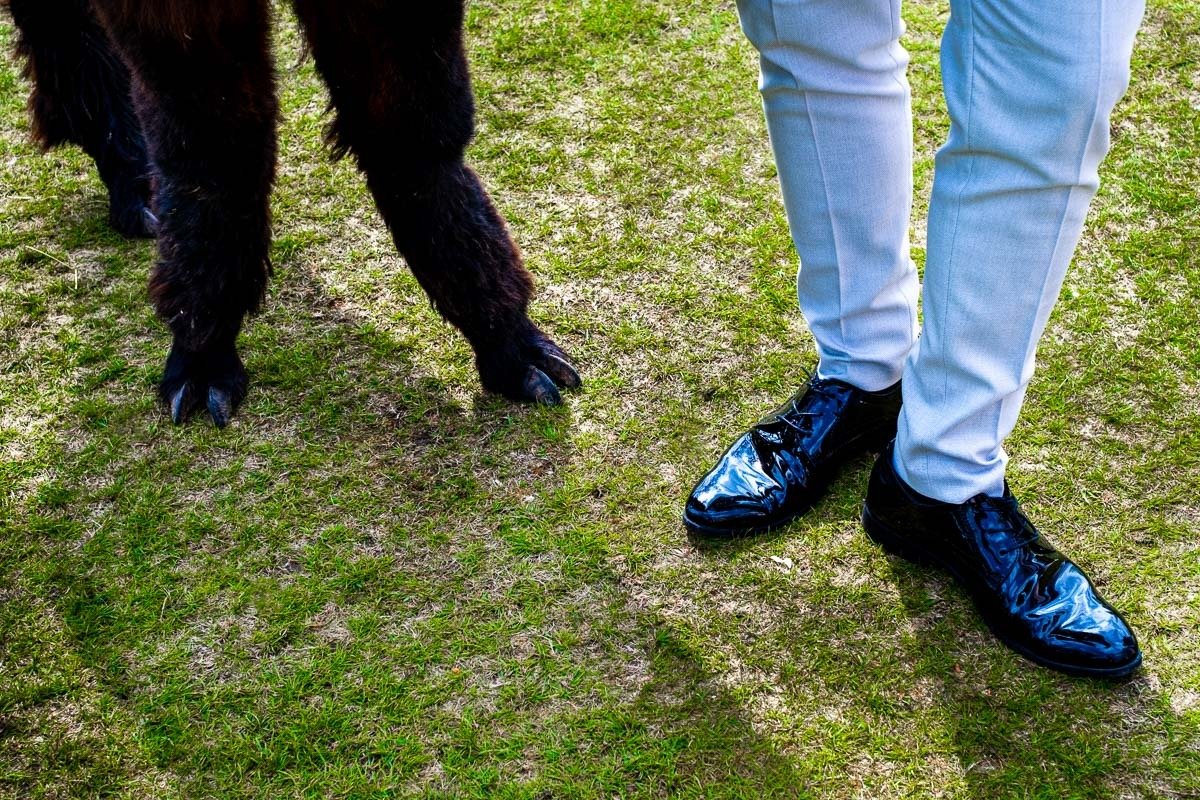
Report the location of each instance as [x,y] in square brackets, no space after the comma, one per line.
[199,75]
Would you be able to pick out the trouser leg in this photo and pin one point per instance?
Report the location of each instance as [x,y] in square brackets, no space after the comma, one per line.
[838,111]
[1029,86]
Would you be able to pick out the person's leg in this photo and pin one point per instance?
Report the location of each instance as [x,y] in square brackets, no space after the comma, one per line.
[1029,86]
[837,105]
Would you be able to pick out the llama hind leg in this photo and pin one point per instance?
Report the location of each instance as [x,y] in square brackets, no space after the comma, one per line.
[81,96]
[204,91]
[397,76]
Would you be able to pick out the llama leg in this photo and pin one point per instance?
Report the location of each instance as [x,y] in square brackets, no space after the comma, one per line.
[397,76]
[81,96]
[204,91]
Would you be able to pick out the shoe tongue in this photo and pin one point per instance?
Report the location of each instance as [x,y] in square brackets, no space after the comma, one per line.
[798,411]
[1003,515]
[1004,502]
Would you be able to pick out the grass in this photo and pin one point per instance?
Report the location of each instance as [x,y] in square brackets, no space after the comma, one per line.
[379,582]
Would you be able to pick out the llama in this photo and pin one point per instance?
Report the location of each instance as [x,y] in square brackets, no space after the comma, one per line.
[175,101]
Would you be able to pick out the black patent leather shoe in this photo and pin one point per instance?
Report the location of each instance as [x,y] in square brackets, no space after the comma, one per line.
[1031,596]
[779,468]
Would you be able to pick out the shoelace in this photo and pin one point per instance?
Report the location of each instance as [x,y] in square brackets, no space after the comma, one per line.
[798,419]
[1002,515]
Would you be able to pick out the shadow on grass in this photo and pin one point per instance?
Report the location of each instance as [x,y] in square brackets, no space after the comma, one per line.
[236,592]
[214,584]
[684,735]
[339,422]
[891,673]
[1023,730]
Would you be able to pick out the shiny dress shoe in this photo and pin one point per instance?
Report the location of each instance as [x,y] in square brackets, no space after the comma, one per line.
[775,471]
[1031,596]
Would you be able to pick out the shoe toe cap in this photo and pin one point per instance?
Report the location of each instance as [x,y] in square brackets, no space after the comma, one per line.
[1095,639]
[736,493]
[724,514]
[1106,644]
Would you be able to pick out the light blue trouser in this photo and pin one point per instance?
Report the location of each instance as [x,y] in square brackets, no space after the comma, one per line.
[1029,85]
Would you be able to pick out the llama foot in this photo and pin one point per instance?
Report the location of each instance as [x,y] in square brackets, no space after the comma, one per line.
[214,380]
[133,222]
[128,212]
[529,370]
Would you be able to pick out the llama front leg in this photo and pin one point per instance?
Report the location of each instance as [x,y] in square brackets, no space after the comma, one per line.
[81,96]
[460,251]
[204,91]
[398,79]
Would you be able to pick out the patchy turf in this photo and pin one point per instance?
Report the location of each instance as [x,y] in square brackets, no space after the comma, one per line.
[379,582]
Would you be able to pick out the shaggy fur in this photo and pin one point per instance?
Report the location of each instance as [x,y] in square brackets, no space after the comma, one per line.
[199,75]
[84,99]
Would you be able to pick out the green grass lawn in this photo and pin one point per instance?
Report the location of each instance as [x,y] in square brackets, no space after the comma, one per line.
[380,582]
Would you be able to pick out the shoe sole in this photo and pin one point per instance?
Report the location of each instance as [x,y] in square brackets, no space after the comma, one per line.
[895,543]
[711,532]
